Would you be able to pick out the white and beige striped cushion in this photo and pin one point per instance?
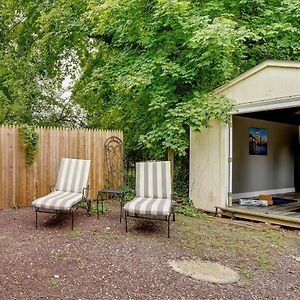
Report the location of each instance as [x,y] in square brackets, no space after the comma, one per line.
[58,200]
[153,179]
[153,189]
[149,206]
[73,175]
[72,178]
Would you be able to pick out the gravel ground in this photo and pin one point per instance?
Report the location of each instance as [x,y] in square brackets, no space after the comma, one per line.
[98,260]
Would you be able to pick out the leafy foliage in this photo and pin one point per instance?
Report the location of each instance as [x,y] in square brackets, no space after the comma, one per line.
[30,141]
[147,67]
[35,59]
[155,63]
[147,72]
[190,211]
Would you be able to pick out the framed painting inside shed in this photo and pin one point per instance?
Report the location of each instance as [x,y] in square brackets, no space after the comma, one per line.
[258,141]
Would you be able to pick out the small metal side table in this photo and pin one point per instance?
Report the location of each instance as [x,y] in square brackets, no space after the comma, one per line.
[114,194]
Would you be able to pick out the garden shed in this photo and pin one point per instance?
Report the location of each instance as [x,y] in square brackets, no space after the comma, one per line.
[258,153]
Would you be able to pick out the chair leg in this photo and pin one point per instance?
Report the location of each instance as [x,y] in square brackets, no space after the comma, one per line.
[168,226]
[36,218]
[174,215]
[97,208]
[99,198]
[102,208]
[88,206]
[72,216]
[121,210]
[126,221]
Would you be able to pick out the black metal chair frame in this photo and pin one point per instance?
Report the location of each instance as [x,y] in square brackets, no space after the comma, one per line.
[165,219]
[84,198]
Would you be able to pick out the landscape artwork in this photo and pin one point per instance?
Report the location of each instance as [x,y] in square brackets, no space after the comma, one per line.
[258,141]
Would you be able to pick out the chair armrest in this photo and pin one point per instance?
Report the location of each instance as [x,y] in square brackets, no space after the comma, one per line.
[174,203]
[85,192]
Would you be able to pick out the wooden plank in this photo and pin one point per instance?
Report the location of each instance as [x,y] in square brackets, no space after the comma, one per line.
[10,176]
[97,161]
[262,217]
[266,219]
[2,170]
[92,158]
[1,167]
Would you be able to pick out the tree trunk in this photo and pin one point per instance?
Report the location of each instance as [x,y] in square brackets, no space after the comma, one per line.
[171,155]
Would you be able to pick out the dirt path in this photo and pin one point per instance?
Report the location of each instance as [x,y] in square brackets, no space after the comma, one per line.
[99,261]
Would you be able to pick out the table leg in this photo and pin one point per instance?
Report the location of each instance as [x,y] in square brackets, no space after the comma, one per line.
[121,209]
[98,206]
[101,197]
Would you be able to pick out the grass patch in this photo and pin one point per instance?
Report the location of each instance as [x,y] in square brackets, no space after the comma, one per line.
[73,234]
[243,268]
[191,212]
[245,248]
[185,206]
[276,238]
[53,281]
[93,208]
[58,255]
[264,263]
[109,236]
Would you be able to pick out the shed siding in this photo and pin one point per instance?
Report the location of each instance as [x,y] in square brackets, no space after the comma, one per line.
[270,83]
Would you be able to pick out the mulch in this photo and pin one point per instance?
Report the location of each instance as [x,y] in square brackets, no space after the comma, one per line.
[98,260]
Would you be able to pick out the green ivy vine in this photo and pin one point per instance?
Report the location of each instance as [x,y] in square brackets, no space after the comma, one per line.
[30,140]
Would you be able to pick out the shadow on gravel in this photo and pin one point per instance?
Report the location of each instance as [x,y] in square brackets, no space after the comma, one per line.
[148,226]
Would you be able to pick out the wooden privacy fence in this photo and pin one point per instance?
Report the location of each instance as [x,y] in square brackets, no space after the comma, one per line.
[20,184]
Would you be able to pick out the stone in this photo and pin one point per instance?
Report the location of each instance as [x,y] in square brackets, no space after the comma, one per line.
[205,271]
[297,258]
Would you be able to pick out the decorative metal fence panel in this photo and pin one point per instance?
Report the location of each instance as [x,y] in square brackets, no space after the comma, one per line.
[20,183]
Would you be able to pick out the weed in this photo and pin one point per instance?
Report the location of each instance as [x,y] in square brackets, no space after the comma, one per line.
[191,212]
[129,193]
[218,244]
[276,238]
[236,246]
[205,257]
[53,281]
[264,263]
[58,255]
[243,268]
[18,205]
[77,260]
[73,234]
[110,236]
[93,208]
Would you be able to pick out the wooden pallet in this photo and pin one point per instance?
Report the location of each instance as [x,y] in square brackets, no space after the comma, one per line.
[284,215]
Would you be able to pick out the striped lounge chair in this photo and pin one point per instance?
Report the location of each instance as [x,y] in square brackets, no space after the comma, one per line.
[70,189]
[153,193]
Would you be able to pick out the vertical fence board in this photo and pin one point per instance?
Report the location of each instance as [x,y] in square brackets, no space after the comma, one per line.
[21,184]
[9,138]
[1,167]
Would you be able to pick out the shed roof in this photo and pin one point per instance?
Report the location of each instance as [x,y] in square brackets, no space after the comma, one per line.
[272,79]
